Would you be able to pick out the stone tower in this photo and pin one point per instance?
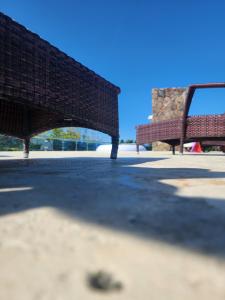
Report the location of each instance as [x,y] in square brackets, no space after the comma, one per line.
[167,103]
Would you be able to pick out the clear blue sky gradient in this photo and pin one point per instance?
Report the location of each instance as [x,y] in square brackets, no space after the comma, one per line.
[137,45]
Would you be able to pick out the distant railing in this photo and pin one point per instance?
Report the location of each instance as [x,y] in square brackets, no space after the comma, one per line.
[55,144]
[50,144]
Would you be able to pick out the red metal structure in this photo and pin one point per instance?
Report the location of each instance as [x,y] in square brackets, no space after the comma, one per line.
[42,88]
[208,129]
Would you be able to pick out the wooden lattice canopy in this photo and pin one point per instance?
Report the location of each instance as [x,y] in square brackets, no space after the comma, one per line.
[42,88]
[207,129]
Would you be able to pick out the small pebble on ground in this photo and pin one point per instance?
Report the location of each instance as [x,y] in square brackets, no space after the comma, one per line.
[103,281]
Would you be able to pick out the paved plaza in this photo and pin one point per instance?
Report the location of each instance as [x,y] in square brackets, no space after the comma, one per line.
[153,221]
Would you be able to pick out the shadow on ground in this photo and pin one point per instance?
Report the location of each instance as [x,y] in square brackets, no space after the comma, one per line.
[123,195]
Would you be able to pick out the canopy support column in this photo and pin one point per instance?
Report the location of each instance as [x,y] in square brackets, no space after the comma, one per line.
[173,148]
[115,145]
[26,147]
[181,145]
[137,148]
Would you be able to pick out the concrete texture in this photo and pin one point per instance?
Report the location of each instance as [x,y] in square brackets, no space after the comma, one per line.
[153,222]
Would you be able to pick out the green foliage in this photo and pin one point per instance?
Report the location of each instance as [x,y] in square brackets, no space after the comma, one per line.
[56,133]
[148,147]
[129,141]
[35,147]
[8,143]
[68,133]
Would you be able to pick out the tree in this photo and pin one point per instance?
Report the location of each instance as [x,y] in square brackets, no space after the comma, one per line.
[129,141]
[8,143]
[68,133]
[56,133]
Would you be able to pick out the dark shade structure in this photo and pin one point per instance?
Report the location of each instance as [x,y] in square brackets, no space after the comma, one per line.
[208,129]
[42,88]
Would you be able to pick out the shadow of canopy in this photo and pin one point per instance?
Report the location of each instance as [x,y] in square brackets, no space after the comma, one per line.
[123,195]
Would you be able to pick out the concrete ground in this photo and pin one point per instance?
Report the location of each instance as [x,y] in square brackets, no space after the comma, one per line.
[154,222]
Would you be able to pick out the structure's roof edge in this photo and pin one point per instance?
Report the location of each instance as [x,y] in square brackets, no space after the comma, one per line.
[79,65]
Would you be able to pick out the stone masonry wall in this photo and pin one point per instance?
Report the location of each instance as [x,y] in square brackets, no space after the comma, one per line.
[167,103]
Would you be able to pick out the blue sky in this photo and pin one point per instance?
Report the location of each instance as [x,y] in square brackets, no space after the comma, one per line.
[137,45]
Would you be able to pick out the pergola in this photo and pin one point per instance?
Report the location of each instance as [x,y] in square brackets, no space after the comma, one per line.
[207,129]
[42,88]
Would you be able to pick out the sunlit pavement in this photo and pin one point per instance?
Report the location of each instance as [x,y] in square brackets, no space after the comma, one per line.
[154,221]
